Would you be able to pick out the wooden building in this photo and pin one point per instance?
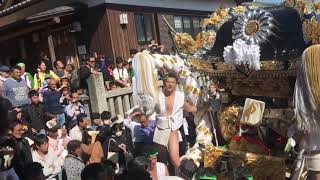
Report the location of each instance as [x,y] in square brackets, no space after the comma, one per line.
[69,28]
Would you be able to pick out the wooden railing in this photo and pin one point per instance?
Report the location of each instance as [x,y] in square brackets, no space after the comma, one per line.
[119,100]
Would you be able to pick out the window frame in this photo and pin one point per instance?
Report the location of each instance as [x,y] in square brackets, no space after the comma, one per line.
[192,28]
[144,27]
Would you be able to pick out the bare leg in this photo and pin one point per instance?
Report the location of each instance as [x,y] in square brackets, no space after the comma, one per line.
[173,147]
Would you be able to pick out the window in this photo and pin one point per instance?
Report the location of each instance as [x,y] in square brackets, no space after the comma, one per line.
[144,28]
[187,24]
[178,23]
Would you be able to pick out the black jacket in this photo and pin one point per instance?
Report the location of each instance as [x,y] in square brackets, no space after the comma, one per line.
[125,138]
[35,115]
[22,156]
[84,74]
[51,102]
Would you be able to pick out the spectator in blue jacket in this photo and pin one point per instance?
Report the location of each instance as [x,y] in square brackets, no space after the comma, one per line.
[16,89]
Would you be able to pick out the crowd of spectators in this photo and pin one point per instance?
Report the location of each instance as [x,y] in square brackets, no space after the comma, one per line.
[50,132]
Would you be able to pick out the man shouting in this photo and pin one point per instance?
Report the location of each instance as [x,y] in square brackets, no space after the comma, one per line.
[172,103]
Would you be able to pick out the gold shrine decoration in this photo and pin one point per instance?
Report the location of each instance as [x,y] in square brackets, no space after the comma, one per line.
[228,121]
[262,167]
[185,43]
[215,17]
[311,26]
[299,5]
[193,90]
[311,31]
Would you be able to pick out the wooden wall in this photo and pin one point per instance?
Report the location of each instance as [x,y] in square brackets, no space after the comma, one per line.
[107,36]
[123,37]
[98,31]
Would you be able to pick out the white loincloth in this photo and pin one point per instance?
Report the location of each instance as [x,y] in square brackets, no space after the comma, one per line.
[167,124]
[312,162]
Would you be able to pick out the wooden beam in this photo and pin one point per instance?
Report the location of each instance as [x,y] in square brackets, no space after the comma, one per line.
[7,36]
[32,10]
[51,49]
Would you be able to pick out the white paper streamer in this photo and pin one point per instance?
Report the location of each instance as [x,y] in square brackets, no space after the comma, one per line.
[241,53]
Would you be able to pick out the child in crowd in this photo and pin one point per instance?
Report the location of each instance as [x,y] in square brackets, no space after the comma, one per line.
[64,82]
[96,121]
[106,118]
[65,98]
[105,130]
[113,85]
[58,139]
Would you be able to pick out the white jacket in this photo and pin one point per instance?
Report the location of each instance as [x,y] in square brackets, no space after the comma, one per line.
[50,160]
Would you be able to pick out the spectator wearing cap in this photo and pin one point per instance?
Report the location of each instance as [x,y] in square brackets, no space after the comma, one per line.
[35,113]
[86,70]
[58,139]
[51,102]
[49,160]
[73,164]
[4,75]
[96,121]
[16,89]
[77,131]
[26,76]
[156,169]
[43,74]
[73,109]
[120,74]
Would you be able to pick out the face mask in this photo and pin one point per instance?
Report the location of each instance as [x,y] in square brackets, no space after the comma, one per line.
[119,133]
